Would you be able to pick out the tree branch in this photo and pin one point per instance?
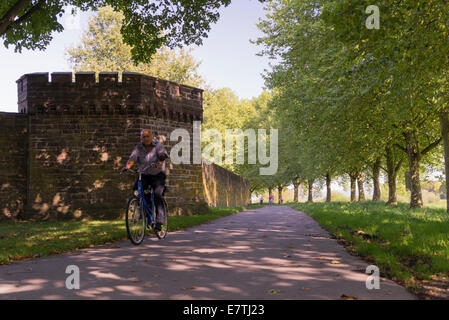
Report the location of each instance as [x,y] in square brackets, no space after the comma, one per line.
[26,15]
[8,18]
[400,147]
[431,146]
[396,169]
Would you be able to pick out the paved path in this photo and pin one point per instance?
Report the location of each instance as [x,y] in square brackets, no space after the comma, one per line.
[243,256]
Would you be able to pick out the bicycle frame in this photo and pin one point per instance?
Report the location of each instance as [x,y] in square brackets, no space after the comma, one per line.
[146,207]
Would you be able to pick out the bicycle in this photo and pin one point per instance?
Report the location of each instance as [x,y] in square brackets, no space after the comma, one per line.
[140,215]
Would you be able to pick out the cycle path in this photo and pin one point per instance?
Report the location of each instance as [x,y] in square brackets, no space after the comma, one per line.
[267,253]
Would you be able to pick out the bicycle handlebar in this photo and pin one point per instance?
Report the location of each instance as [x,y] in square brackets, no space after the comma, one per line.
[153,165]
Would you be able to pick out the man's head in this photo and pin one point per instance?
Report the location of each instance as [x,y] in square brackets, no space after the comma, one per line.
[146,137]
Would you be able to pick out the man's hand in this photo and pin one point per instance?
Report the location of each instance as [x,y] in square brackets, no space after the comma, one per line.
[124,170]
[163,156]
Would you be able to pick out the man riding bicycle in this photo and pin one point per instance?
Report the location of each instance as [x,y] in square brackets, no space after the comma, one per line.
[150,152]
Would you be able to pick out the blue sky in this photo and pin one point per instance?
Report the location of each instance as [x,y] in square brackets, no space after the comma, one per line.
[228,58]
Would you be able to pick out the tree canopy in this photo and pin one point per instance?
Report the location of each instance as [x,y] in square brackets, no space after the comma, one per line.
[354,97]
[147,25]
[102,49]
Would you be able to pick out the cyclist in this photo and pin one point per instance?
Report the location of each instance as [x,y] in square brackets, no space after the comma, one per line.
[151,152]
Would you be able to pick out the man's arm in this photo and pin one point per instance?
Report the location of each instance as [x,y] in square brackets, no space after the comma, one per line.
[132,159]
[129,164]
[162,154]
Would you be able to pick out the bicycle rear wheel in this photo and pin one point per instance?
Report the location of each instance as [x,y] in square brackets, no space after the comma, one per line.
[135,221]
[164,228]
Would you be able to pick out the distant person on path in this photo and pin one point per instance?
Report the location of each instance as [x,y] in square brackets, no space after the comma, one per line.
[149,151]
[261,200]
[270,199]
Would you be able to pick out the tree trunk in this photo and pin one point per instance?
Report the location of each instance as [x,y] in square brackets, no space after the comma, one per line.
[353,181]
[392,174]
[310,186]
[280,195]
[413,162]
[376,184]
[270,191]
[295,192]
[328,188]
[361,189]
[444,124]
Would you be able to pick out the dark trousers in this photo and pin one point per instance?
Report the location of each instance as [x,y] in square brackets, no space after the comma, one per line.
[157,182]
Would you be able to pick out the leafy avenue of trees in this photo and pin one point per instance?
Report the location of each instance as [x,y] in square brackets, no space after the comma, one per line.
[353,101]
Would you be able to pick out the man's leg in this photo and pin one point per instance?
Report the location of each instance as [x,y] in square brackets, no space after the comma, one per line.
[158,184]
[146,181]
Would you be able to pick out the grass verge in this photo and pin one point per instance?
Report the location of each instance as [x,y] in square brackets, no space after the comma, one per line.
[25,239]
[410,246]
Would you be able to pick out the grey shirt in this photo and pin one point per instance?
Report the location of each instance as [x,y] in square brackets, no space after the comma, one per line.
[143,158]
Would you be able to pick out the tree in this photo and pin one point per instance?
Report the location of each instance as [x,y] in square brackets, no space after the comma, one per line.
[355,92]
[411,49]
[102,49]
[148,25]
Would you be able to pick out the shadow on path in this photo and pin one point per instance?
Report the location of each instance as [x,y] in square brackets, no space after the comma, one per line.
[267,253]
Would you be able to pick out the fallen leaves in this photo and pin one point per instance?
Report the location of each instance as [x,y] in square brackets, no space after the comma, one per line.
[274,291]
[345,297]
[189,288]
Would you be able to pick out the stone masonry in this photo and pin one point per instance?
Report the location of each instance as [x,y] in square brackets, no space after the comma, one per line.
[61,154]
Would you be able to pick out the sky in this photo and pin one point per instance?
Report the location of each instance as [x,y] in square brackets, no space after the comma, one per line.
[228,59]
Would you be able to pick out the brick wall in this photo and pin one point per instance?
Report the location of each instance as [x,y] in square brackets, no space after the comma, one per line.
[13,164]
[223,188]
[72,138]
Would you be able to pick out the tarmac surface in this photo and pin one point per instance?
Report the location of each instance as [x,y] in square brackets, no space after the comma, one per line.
[268,253]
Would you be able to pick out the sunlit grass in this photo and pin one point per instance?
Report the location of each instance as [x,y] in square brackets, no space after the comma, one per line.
[26,239]
[407,244]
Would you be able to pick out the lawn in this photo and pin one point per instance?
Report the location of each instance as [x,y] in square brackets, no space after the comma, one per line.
[24,239]
[410,246]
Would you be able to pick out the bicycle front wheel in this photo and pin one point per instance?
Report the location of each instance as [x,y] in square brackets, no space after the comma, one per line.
[164,228]
[135,221]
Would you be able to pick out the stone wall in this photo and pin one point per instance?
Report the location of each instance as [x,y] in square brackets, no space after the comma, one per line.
[223,188]
[62,153]
[81,135]
[75,164]
[70,140]
[13,164]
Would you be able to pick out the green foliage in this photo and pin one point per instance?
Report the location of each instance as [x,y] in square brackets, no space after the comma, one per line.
[102,49]
[345,92]
[148,25]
